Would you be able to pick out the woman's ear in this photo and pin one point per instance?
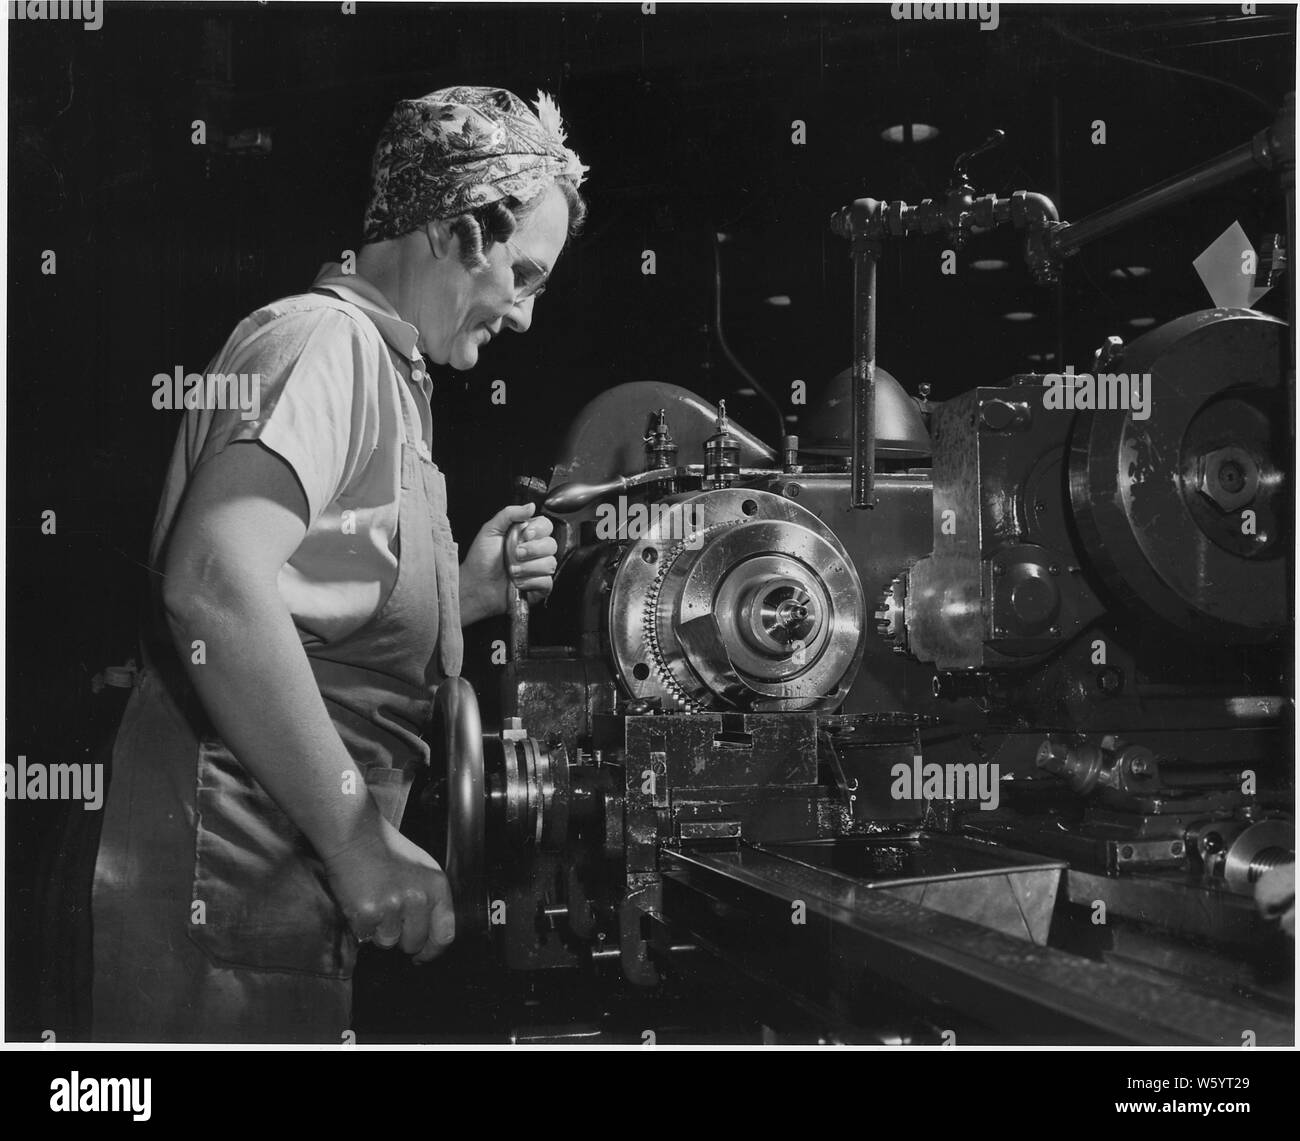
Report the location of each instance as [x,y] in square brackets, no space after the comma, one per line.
[441,239]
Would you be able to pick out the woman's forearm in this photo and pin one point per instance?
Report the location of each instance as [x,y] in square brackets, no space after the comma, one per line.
[473,608]
[255,682]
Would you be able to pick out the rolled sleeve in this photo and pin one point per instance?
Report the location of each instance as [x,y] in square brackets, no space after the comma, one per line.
[316,371]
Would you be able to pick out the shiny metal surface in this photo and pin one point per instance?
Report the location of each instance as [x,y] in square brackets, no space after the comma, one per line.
[1256,849]
[607,438]
[826,428]
[736,905]
[1137,491]
[736,599]
[999,888]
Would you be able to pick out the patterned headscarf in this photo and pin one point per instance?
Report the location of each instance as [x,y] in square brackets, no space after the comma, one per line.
[459,148]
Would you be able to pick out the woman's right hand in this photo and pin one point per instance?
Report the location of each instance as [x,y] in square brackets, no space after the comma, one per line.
[393,893]
[245,514]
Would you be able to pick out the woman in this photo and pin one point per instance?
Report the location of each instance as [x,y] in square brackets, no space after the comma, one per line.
[313,602]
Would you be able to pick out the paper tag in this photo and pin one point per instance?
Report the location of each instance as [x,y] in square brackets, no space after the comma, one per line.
[1227,268]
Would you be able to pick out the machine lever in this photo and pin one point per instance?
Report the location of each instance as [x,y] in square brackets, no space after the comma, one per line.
[571,497]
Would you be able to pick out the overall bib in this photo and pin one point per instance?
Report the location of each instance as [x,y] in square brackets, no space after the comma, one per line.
[212,918]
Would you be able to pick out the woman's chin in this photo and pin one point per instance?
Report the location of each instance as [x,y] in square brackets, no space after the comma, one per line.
[464,356]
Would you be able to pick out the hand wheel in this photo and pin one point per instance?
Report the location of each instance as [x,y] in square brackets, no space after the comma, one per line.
[458,733]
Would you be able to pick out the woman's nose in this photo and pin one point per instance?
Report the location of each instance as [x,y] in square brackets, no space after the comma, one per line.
[520,316]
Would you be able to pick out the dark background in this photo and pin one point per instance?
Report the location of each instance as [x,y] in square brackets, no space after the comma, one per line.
[685,119]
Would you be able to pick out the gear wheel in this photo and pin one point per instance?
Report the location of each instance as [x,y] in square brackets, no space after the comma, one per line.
[891,617]
[704,609]
[650,615]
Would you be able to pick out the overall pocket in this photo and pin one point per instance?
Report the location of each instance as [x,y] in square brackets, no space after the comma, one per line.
[265,903]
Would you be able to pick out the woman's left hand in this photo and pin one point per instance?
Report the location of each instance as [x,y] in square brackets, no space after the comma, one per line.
[488,567]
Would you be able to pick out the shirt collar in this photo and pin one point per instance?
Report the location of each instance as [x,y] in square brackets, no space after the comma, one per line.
[401,335]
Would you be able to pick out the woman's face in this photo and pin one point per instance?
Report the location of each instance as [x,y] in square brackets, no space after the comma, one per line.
[463,309]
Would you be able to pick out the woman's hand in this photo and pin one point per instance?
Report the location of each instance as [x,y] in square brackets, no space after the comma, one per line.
[489,567]
[393,893]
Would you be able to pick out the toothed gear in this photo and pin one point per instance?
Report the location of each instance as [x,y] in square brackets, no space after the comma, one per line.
[891,617]
[757,604]
[650,616]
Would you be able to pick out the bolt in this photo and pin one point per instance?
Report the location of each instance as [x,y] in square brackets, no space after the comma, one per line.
[1228,477]
[1052,756]
[1110,680]
[1107,353]
[1231,478]
[1126,852]
[1053,569]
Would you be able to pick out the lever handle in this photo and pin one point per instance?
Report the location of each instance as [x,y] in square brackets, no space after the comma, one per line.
[528,489]
[963,160]
[571,497]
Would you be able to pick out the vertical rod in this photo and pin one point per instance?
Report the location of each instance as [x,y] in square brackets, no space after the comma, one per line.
[864,373]
[1288,187]
[516,604]
[1058,189]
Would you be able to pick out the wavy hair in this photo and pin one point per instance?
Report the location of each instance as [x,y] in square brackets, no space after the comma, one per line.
[481,228]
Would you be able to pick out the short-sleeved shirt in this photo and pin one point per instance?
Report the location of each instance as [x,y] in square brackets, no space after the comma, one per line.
[329,383]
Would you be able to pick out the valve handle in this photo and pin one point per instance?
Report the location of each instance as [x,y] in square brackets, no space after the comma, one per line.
[959,175]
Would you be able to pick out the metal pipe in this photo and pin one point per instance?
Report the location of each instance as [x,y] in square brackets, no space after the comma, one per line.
[1271,149]
[1291,269]
[1216,172]
[864,373]
[1288,185]
[1058,196]
[867,222]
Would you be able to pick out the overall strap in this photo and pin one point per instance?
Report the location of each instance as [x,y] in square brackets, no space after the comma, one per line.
[412,430]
